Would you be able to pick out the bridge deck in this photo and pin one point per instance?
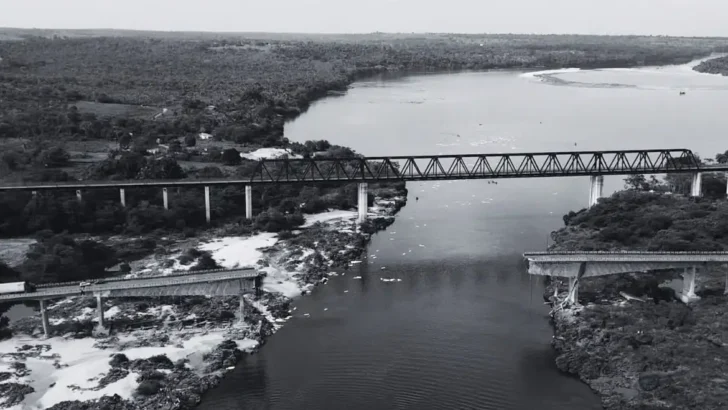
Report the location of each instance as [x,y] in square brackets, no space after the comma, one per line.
[568,264]
[621,257]
[427,167]
[64,290]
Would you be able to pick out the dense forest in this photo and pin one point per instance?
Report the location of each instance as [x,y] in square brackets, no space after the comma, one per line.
[90,105]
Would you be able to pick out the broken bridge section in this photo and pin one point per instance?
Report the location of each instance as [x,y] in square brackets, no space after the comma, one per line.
[580,265]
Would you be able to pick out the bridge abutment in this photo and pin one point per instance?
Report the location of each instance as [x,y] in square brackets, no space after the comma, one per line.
[122,196]
[596,188]
[688,292]
[363,202]
[44,318]
[165,198]
[207,203]
[248,202]
[696,188]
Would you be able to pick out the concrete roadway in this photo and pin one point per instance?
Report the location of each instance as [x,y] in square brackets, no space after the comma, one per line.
[65,290]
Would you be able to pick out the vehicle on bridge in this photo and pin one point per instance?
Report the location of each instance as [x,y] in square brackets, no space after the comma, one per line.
[16,287]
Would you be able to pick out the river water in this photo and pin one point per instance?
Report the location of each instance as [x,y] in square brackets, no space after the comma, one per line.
[465,328]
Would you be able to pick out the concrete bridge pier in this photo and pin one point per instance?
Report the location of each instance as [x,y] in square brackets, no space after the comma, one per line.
[696,188]
[248,202]
[78,195]
[258,286]
[688,293]
[207,203]
[44,318]
[596,188]
[122,196]
[100,307]
[363,202]
[165,198]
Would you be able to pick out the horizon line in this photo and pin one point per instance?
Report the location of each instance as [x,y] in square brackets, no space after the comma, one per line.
[356,33]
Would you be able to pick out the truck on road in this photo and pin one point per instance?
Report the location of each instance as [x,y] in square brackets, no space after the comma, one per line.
[16,287]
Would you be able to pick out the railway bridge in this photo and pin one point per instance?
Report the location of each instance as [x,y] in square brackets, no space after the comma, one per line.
[218,282]
[363,170]
[580,265]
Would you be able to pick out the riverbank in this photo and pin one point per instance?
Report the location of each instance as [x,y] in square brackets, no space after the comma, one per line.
[171,350]
[651,351]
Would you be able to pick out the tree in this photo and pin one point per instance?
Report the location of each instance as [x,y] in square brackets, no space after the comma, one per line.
[190,140]
[231,156]
[124,141]
[54,157]
[636,182]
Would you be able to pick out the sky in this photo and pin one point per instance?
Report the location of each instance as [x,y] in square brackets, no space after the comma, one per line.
[666,17]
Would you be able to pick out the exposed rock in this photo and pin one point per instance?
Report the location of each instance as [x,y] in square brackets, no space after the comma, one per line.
[14,393]
[115,374]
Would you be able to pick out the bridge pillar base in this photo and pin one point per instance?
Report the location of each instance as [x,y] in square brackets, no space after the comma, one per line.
[165,198]
[596,183]
[696,188]
[363,202]
[207,204]
[573,295]
[44,318]
[248,202]
[688,293]
[122,196]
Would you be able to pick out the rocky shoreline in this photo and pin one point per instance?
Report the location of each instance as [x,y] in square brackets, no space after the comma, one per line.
[203,337]
[636,344]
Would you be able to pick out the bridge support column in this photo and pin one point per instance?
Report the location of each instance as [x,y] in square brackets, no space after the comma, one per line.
[596,188]
[165,198]
[688,293]
[573,295]
[100,307]
[248,202]
[363,202]
[78,195]
[207,203]
[122,196]
[258,286]
[696,188]
[44,318]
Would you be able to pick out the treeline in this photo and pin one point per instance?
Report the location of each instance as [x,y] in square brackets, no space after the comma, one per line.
[654,215]
[243,90]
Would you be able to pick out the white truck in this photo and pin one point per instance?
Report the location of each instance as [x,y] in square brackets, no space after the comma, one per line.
[16,287]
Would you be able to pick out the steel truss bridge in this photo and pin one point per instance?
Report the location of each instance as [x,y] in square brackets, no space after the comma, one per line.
[428,168]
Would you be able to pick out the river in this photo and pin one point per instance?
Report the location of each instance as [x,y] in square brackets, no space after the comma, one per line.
[465,328]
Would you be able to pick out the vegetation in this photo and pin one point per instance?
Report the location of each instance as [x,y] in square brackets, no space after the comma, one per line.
[714,66]
[667,353]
